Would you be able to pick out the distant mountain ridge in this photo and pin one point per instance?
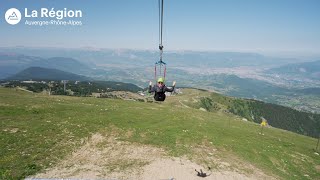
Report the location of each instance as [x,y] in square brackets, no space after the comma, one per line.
[245,87]
[62,63]
[40,73]
[11,63]
[219,71]
[306,69]
[143,57]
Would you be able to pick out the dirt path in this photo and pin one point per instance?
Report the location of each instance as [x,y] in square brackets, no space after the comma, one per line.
[183,104]
[107,158]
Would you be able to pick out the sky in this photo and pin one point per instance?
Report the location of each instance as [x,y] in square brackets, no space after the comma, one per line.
[199,25]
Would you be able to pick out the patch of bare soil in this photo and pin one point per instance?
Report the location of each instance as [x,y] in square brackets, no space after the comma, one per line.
[125,95]
[108,158]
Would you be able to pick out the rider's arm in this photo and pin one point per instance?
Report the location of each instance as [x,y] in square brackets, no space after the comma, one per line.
[151,89]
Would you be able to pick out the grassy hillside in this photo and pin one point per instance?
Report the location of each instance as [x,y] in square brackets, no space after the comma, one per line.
[36,131]
[277,116]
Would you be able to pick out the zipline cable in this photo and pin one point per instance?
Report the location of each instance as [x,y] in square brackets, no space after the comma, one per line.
[160,62]
[160,24]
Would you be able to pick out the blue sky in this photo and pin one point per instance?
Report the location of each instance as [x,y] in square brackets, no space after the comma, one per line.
[233,25]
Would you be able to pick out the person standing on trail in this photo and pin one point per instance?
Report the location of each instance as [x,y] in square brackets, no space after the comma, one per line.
[160,88]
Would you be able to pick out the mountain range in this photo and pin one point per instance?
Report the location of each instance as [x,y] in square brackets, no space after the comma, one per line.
[144,58]
[11,64]
[304,70]
[248,75]
[40,73]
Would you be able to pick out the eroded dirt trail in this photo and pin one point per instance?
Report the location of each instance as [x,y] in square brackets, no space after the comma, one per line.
[108,158]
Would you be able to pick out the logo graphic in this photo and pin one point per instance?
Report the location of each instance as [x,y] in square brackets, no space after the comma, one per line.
[13,16]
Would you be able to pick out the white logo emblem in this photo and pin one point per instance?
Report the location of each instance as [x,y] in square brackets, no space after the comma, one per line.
[13,16]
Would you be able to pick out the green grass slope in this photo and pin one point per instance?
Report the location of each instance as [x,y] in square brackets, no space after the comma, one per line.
[278,116]
[37,130]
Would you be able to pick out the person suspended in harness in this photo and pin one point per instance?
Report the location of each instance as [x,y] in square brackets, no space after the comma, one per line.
[160,89]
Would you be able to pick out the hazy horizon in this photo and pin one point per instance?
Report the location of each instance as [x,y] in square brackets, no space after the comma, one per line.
[281,54]
[287,27]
